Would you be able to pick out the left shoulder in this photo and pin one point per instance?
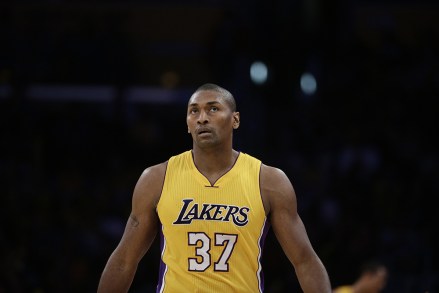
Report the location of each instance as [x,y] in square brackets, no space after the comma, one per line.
[273,176]
[276,189]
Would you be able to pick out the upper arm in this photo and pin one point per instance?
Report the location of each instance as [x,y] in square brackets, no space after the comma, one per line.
[280,201]
[142,225]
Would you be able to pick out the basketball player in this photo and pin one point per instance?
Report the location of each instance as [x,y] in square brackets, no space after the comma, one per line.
[372,279]
[212,207]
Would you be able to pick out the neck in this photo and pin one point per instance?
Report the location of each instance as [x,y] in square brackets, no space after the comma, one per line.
[213,163]
[214,159]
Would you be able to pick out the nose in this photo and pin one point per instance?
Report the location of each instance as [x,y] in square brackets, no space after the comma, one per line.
[203,118]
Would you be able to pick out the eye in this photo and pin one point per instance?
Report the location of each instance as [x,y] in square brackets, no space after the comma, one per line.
[193,110]
[213,109]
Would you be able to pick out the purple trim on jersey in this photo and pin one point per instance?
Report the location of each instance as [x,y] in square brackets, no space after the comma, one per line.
[261,245]
[162,268]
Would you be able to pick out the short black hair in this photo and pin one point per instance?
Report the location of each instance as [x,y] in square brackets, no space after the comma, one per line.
[372,266]
[228,97]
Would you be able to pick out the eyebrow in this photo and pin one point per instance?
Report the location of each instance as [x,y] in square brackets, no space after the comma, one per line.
[208,103]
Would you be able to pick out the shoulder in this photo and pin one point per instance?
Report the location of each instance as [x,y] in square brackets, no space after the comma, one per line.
[272,177]
[150,183]
[276,188]
[154,172]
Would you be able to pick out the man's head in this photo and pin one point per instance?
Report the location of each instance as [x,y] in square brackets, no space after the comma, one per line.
[211,115]
[374,276]
[225,94]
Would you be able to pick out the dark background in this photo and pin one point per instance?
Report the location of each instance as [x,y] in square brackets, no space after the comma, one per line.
[93,92]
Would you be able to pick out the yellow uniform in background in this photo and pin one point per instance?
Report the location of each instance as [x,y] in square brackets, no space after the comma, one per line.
[212,235]
[343,289]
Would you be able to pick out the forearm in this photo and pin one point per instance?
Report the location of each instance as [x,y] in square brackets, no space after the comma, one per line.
[313,277]
[116,277]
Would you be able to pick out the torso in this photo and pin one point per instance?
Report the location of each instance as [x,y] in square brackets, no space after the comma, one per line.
[212,234]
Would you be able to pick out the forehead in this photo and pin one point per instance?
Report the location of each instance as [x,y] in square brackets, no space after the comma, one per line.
[382,272]
[205,97]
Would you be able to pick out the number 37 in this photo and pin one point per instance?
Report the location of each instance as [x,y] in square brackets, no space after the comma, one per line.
[202,251]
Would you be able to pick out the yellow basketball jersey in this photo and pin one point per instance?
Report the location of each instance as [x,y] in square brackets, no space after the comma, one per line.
[212,235]
[343,289]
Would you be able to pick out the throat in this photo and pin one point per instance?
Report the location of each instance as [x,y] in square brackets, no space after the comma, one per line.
[214,167]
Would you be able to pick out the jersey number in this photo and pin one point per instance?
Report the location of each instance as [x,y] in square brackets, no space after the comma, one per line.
[202,251]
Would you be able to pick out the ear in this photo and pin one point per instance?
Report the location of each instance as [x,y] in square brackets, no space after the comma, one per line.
[236,120]
[187,124]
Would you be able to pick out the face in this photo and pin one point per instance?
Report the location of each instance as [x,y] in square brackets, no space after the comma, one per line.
[210,119]
[378,280]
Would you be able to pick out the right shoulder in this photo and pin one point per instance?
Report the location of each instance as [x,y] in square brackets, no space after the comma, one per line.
[150,182]
[154,172]
[154,176]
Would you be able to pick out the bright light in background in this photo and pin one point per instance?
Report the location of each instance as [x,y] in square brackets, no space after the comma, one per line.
[308,83]
[258,72]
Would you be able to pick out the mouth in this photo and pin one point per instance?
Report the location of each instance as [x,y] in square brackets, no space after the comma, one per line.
[203,131]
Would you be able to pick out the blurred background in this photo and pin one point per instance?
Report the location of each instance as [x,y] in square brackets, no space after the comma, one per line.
[339,94]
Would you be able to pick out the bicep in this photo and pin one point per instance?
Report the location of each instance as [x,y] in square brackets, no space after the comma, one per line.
[291,234]
[286,222]
[142,224]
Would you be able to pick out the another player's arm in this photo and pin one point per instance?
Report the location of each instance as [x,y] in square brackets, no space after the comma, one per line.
[281,206]
[139,234]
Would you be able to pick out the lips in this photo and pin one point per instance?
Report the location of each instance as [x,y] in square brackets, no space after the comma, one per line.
[203,130]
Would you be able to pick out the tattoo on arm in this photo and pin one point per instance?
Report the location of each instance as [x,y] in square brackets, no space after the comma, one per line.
[134,221]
